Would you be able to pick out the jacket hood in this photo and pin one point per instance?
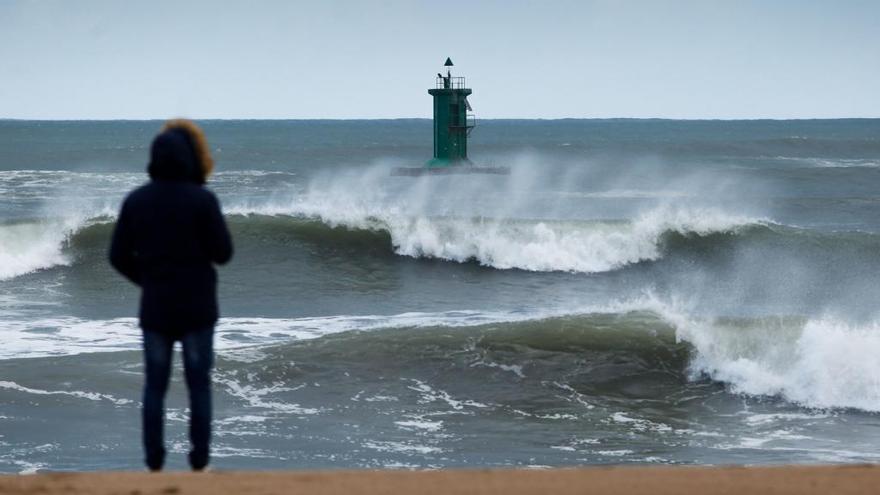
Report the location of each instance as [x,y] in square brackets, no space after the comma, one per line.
[180,152]
[172,157]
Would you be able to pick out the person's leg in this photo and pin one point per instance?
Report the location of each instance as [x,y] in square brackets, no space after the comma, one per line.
[157,367]
[198,358]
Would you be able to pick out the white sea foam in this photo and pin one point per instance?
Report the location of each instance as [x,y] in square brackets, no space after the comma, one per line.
[55,184]
[615,453]
[419,423]
[73,393]
[535,245]
[30,246]
[824,363]
[71,201]
[27,467]
[429,394]
[41,337]
[801,418]
[480,230]
[833,162]
[259,397]
[526,244]
[401,447]
[60,336]
[573,395]
[639,424]
[819,363]
[495,223]
[516,369]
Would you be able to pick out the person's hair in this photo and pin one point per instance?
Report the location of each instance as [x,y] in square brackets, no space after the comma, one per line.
[198,141]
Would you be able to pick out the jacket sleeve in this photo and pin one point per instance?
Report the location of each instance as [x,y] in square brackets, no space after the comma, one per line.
[122,253]
[219,241]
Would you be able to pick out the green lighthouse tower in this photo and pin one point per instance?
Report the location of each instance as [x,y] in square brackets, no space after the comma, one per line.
[452,122]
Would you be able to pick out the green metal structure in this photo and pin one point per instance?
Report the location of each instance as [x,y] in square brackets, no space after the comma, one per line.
[452,120]
[453,123]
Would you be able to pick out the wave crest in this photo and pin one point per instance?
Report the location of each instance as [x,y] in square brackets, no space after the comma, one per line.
[533,245]
[820,363]
[26,247]
[815,362]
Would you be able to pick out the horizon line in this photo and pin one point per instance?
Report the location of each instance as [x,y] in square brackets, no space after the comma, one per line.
[319,119]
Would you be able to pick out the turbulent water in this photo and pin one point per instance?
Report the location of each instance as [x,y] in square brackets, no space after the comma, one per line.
[634,292]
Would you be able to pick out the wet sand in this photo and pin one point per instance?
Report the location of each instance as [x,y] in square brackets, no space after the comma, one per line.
[594,480]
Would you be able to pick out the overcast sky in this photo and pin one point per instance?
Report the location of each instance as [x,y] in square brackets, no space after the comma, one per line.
[370,59]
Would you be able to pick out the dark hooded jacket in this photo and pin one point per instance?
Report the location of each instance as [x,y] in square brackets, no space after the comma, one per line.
[168,235]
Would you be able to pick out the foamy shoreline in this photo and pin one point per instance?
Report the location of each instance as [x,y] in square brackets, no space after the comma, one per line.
[605,480]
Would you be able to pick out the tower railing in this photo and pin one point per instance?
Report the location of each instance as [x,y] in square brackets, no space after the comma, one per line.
[469,124]
[451,82]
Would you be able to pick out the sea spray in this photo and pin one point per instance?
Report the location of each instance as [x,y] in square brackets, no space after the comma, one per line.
[589,246]
[28,246]
[67,203]
[512,222]
[484,221]
[31,246]
[819,363]
[534,245]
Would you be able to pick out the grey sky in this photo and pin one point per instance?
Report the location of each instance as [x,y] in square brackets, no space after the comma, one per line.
[347,59]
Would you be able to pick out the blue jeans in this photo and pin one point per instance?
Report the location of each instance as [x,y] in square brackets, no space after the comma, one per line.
[198,358]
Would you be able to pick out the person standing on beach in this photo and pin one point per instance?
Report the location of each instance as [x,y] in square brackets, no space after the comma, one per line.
[169,234]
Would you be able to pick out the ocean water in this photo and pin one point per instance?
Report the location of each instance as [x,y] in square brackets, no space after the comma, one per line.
[636,291]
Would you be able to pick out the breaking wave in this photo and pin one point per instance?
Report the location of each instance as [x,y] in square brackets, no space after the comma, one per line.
[815,362]
[820,363]
[533,245]
[525,244]
[26,247]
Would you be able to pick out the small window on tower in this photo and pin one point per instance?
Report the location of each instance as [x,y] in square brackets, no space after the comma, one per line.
[453,114]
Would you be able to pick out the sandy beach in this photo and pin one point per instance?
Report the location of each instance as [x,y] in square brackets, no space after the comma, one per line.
[604,480]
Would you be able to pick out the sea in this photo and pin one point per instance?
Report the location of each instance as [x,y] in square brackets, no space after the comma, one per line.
[633,292]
